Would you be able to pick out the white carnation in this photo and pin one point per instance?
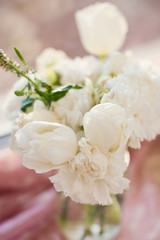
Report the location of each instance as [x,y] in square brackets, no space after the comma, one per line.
[48,58]
[92,176]
[13,102]
[45,145]
[102,28]
[42,113]
[136,88]
[74,71]
[114,65]
[72,107]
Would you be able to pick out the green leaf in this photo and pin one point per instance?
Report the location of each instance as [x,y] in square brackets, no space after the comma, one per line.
[46,86]
[77,87]
[57,95]
[29,87]
[19,93]
[26,103]
[19,54]
[45,96]
[42,93]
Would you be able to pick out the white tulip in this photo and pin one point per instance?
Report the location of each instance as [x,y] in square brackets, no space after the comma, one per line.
[102,28]
[45,146]
[39,113]
[104,126]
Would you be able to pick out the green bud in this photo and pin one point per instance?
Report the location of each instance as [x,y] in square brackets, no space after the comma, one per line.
[52,77]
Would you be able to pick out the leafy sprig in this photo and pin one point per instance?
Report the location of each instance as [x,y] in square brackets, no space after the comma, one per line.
[19,54]
[35,88]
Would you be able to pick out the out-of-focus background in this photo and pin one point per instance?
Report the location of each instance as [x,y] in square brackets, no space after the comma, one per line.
[28,200]
[34,25]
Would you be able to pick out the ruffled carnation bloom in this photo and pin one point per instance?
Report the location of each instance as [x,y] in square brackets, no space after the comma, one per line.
[136,88]
[45,145]
[97,170]
[48,58]
[72,107]
[13,102]
[74,71]
[114,64]
[39,113]
[92,176]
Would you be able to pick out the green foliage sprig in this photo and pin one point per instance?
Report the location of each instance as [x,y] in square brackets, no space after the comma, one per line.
[35,89]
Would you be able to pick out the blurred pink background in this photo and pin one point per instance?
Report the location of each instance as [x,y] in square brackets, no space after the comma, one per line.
[34,25]
[28,202]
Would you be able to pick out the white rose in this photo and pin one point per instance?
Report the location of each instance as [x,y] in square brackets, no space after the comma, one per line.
[92,176]
[45,146]
[102,28]
[72,107]
[104,126]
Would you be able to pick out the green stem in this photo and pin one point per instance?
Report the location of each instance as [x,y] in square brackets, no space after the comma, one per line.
[113,211]
[21,73]
[91,214]
[102,57]
[86,233]
[102,219]
[64,213]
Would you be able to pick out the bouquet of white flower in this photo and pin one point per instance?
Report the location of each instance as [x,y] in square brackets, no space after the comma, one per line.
[79,116]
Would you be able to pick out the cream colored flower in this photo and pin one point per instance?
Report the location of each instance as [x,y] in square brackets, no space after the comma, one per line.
[105,126]
[42,113]
[45,145]
[39,113]
[74,71]
[114,65]
[102,28]
[136,88]
[46,61]
[72,107]
[49,57]
[13,102]
[92,176]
